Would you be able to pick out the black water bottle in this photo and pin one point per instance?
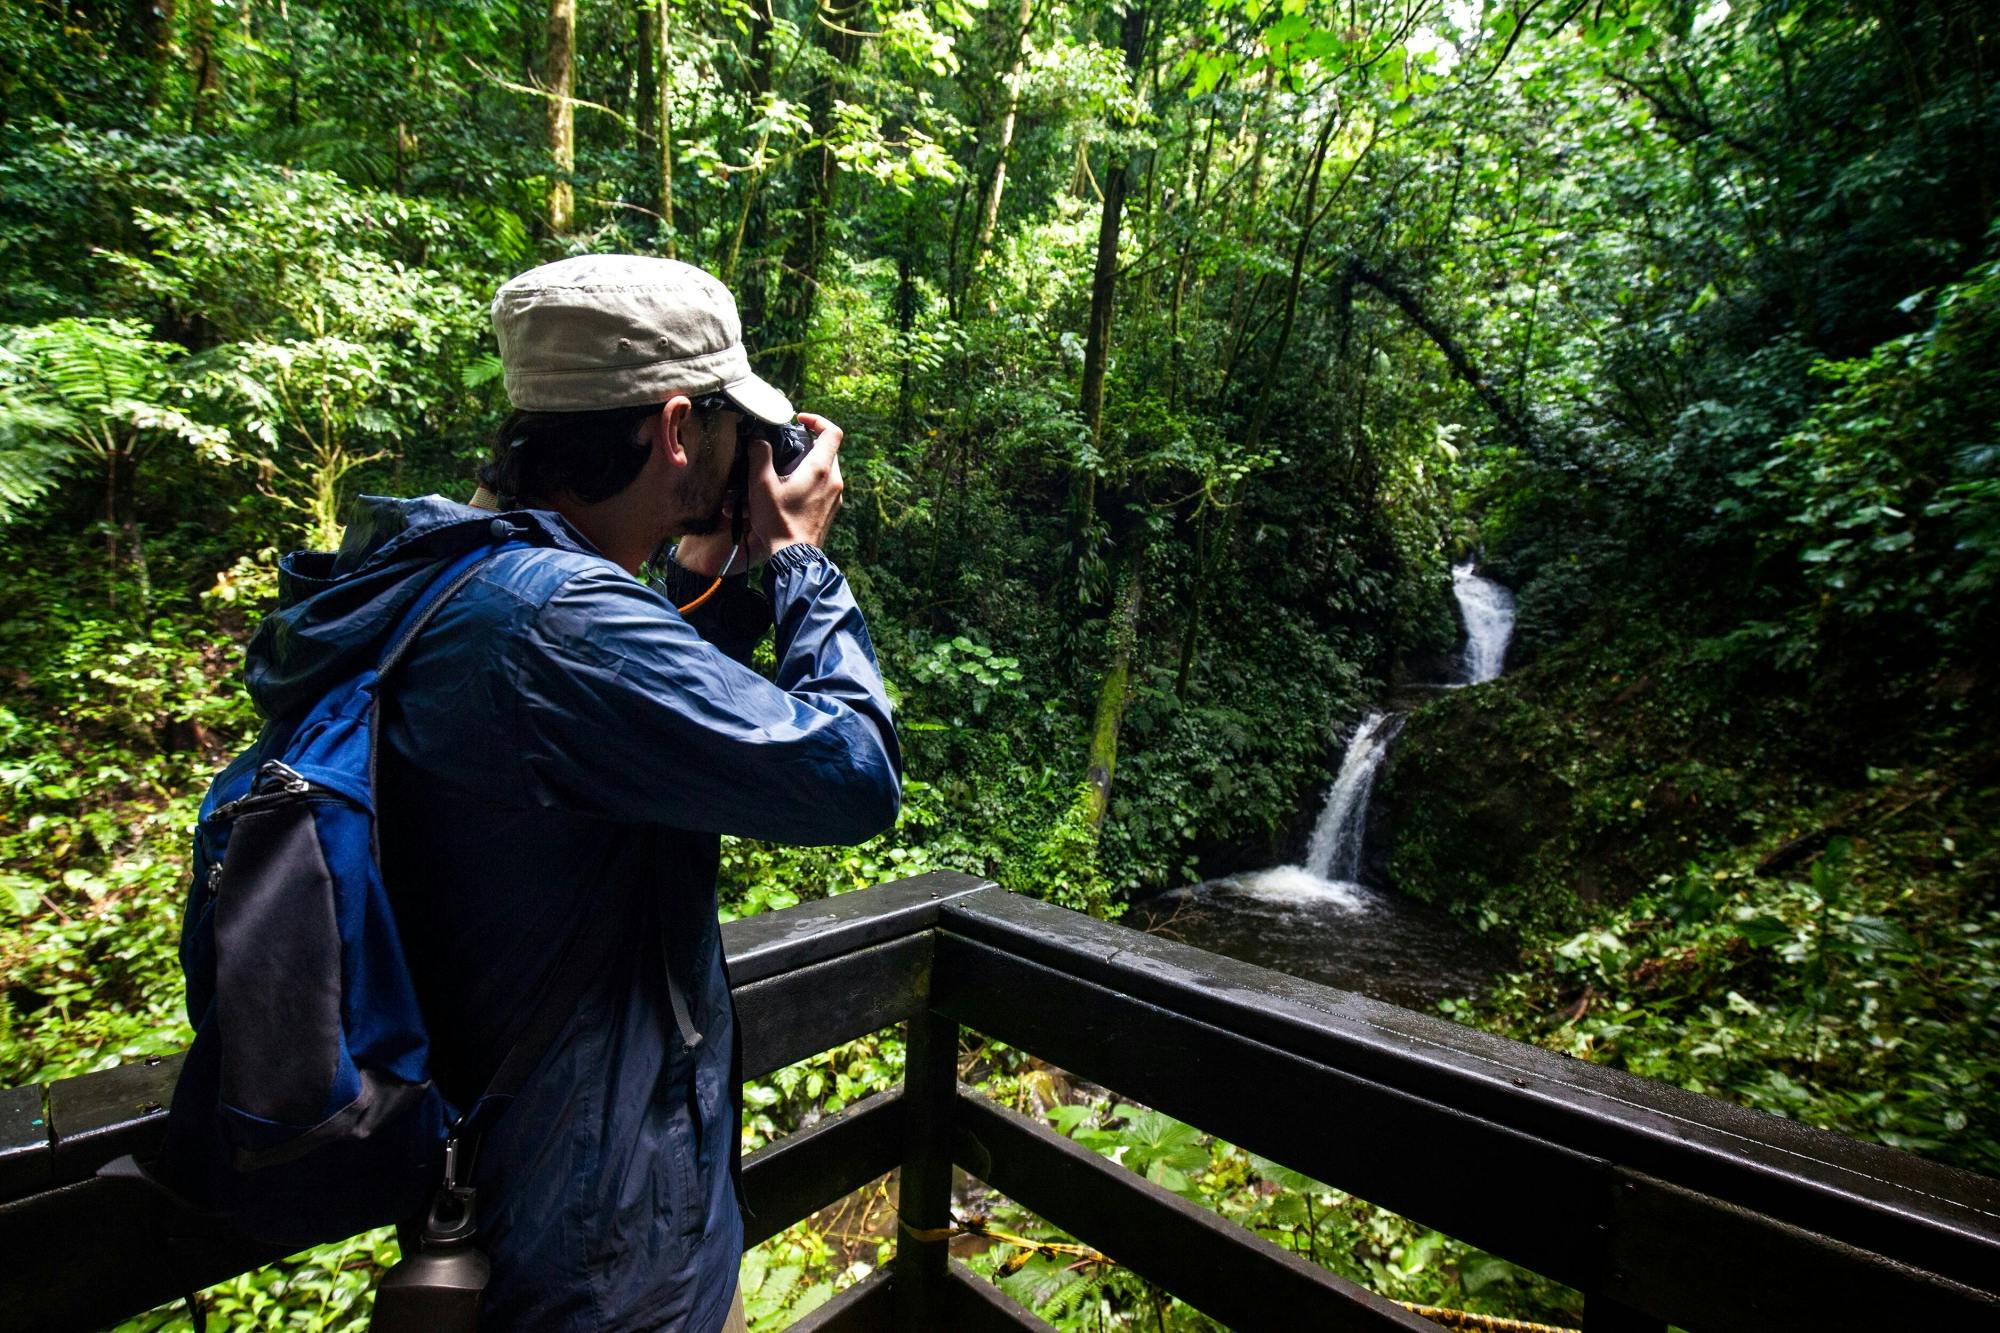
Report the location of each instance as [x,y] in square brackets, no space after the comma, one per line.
[437,1288]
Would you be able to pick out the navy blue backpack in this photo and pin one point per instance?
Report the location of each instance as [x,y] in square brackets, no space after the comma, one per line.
[306,1110]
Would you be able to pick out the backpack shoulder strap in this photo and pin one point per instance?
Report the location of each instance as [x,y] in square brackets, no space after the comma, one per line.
[582,956]
[443,587]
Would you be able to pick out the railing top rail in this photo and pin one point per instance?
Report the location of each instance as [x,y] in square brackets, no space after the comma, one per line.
[772,943]
[62,1132]
[1591,1108]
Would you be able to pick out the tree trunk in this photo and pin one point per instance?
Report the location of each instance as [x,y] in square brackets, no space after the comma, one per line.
[559,77]
[1197,602]
[1308,219]
[1113,693]
[747,278]
[1239,311]
[954,279]
[906,319]
[124,547]
[204,69]
[1103,290]
[989,215]
[147,30]
[663,62]
[798,291]
[111,526]
[655,120]
[246,27]
[1176,343]
[1513,423]
[646,110]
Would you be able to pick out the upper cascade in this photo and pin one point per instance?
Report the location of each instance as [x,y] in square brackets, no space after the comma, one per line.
[1488,610]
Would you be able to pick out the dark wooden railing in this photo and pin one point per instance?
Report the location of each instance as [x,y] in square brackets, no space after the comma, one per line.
[1660,1205]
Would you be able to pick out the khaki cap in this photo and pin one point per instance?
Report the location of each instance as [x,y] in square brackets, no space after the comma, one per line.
[601,331]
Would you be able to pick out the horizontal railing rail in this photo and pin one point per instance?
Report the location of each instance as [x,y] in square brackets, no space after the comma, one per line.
[1660,1205]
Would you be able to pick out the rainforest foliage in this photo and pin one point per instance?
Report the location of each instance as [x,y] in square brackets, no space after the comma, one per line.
[1180,348]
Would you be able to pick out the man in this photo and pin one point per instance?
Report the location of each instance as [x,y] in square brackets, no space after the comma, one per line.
[562,744]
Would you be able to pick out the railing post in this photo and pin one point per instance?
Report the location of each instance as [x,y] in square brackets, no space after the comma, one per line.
[923,1204]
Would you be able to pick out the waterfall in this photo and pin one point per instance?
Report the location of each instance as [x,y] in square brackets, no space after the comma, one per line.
[1332,872]
[1335,850]
[1488,609]
[1334,863]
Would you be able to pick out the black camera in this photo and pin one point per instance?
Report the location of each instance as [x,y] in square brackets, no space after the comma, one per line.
[789,446]
[789,443]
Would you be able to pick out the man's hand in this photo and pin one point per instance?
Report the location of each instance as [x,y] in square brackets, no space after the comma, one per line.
[785,511]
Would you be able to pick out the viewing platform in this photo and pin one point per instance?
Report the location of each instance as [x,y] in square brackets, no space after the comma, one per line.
[1662,1206]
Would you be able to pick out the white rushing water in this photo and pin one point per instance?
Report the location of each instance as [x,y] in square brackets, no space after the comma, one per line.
[1335,850]
[1295,887]
[1330,878]
[1488,609]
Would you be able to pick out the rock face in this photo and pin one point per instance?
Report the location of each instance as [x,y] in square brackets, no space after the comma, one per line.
[1580,778]
[1465,816]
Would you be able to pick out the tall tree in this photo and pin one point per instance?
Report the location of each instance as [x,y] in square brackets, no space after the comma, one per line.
[989,213]
[798,285]
[747,279]
[1104,287]
[1114,690]
[664,124]
[655,121]
[204,66]
[559,79]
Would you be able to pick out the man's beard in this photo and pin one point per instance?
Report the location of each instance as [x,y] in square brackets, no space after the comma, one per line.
[702,495]
[707,523]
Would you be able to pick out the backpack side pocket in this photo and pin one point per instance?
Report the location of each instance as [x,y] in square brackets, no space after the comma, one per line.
[277,974]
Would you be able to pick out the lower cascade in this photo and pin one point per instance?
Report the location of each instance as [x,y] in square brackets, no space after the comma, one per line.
[1335,850]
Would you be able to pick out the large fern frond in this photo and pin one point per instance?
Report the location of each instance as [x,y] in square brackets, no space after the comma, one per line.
[34,452]
[35,444]
[484,369]
[89,365]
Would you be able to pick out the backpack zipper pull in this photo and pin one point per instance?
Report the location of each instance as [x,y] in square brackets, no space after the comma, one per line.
[274,778]
[276,775]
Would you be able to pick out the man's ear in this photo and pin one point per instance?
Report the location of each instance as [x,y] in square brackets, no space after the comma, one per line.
[675,420]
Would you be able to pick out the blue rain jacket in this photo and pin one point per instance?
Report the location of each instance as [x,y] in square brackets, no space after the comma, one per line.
[560,743]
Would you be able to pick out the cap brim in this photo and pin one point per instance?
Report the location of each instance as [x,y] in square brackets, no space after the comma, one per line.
[760,400]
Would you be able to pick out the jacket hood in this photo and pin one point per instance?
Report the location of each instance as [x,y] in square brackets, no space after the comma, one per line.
[336,609]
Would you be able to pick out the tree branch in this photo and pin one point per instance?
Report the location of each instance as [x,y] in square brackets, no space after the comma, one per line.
[1511,422]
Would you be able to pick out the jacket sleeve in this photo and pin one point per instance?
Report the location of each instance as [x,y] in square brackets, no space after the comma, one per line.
[629,715]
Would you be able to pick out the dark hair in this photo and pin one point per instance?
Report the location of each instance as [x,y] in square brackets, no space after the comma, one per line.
[586,456]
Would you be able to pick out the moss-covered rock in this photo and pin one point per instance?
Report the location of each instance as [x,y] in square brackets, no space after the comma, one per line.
[1581,778]
[1468,810]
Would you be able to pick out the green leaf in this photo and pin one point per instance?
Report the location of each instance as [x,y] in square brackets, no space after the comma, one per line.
[1479,1271]
[1765,930]
[484,370]
[1880,933]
